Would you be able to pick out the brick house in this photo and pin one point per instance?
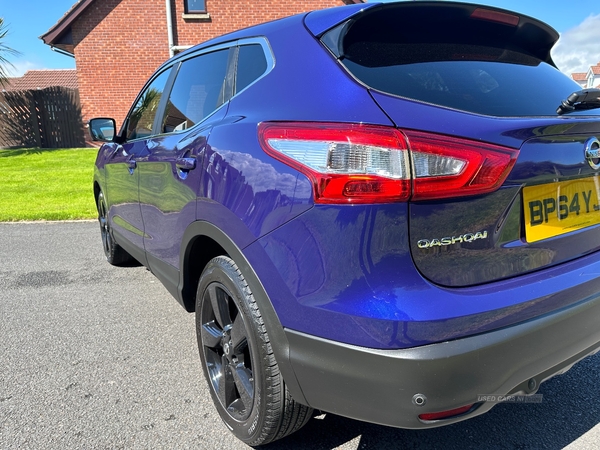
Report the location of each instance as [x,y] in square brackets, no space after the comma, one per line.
[118,44]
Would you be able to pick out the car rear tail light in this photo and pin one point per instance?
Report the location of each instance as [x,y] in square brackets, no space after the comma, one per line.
[451,167]
[356,163]
[347,163]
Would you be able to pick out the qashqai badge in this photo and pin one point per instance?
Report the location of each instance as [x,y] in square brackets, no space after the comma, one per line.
[463,238]
[592,153]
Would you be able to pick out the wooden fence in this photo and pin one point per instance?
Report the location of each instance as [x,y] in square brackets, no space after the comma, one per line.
[45,118]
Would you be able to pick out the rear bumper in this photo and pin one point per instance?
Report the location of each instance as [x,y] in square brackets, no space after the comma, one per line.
[379,385]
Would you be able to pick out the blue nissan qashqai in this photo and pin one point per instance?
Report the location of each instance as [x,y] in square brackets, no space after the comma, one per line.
[389,212]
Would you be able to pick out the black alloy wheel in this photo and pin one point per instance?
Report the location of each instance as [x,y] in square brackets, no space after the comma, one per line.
[226,351]
[238,362]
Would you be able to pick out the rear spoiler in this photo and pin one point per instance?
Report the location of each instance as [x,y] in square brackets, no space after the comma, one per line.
[531,35]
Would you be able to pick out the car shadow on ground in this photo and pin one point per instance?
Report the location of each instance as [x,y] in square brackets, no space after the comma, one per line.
[570,407]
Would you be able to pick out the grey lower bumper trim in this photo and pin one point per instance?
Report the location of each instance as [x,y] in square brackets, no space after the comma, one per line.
[379,385]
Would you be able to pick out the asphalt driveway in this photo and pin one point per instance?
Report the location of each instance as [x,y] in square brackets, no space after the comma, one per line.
[93,356]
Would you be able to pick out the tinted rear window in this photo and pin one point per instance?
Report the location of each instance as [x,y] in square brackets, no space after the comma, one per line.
[452,60]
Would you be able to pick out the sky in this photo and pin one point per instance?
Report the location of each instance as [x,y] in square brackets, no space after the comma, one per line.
[577,21]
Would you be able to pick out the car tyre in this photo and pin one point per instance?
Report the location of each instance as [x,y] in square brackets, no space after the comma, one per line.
[114,253]
[237,359]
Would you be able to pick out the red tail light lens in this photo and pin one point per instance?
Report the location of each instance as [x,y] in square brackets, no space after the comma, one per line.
[356,163]
[347,163]
[464,167]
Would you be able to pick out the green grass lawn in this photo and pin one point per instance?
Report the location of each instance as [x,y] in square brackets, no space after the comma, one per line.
[47,184]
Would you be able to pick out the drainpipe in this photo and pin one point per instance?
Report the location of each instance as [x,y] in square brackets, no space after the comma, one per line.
[170,28]
[180,48]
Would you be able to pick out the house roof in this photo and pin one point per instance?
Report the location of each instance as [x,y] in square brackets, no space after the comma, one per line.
[40,79]
[579,76]
[595,69]
[60,34]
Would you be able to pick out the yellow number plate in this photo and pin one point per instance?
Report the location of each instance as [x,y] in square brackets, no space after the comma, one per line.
[557,208]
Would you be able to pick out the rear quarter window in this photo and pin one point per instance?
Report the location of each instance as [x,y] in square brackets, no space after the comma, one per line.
[252,64]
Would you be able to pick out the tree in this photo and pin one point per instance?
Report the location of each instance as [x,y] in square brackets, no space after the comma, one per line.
[5,51]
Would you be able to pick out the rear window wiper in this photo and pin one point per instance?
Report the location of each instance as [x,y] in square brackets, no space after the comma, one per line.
[584,99]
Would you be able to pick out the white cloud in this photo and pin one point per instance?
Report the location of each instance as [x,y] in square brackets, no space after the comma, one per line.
[579,47]
[20,67]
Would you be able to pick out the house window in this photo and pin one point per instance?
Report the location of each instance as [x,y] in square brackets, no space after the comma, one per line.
[195,6]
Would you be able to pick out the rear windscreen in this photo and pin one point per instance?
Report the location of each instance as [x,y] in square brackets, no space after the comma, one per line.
[452,60]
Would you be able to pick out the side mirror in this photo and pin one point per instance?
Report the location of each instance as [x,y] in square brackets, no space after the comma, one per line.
[102,129]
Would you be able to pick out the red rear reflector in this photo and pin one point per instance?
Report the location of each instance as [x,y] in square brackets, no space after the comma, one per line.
[446,414]
[356,163]
[495,16]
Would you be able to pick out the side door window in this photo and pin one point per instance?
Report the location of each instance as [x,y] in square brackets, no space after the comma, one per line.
[171,175]
[142,115]
[199,89]
[252,64]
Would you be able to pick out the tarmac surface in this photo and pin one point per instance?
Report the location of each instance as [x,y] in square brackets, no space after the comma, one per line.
[93,356]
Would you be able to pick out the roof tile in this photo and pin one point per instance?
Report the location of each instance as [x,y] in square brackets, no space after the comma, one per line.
[41,79]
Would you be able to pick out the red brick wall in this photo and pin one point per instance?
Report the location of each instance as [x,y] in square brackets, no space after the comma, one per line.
[231,15]
[120,43]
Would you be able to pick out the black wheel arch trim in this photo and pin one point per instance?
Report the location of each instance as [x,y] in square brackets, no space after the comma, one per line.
[278,337]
